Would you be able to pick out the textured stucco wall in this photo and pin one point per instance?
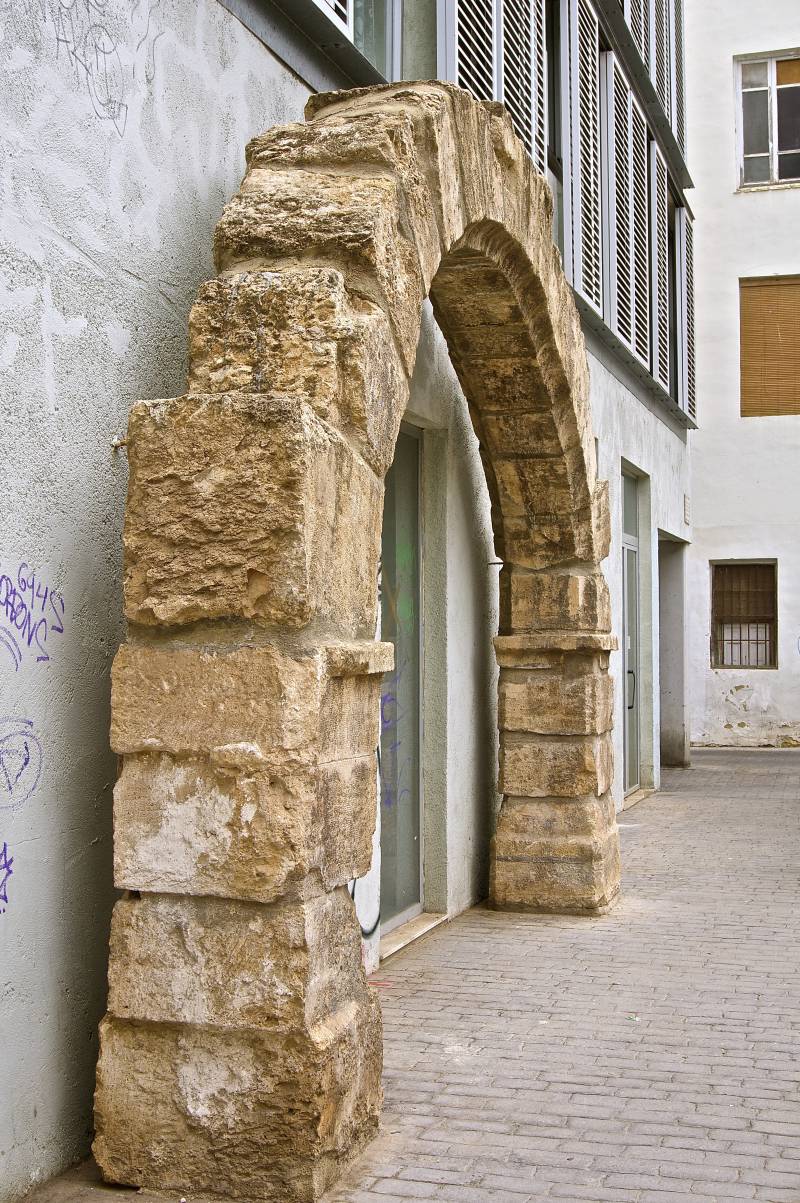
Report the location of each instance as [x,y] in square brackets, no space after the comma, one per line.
[744,470]
[631,435]
[123,130]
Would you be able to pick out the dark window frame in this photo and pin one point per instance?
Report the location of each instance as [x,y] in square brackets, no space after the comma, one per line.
[739,602]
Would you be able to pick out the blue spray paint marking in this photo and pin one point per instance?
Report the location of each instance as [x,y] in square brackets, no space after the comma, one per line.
[6,862]
[30,611]
[20,762]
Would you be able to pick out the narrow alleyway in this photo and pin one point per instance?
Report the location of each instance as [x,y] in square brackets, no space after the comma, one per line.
[648,1056]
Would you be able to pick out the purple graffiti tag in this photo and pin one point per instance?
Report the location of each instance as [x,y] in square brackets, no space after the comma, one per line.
[20,762]
[6,862]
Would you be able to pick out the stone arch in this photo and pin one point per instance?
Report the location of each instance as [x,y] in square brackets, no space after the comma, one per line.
[241,1052]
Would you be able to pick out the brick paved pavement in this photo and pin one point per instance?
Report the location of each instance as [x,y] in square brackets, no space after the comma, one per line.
[648,1056]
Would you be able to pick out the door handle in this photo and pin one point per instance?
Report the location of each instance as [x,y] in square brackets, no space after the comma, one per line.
[631,673]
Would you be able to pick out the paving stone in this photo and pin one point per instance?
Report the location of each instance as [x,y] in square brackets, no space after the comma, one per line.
[655,1040]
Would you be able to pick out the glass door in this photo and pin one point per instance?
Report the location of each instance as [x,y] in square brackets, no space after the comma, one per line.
[401,845]
[630,629]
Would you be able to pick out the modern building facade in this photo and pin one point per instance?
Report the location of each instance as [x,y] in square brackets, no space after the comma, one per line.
[597,95]
[124,142]
[744,128]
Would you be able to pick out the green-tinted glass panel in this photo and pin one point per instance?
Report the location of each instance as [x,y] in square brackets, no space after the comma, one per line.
[754,75]
[756,170]
[400,692]
[419,40]
[630,507]
[371,32]
[755,122]
[630,579]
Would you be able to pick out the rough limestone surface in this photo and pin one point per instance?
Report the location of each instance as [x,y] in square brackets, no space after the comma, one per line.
[241,1053]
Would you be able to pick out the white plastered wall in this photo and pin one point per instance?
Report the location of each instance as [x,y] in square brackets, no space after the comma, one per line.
[632,436]
[746,485]
[123,132]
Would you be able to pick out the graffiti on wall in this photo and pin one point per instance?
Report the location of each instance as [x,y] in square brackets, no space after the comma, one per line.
[6,862]
[105,50]
[31,613]
[20,762]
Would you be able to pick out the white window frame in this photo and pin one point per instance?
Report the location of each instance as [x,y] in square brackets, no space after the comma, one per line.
[329,7]
[771,59]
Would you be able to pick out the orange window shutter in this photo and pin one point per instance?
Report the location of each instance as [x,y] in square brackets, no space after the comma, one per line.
[770,346]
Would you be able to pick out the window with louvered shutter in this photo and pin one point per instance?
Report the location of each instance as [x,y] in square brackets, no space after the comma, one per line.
[618,193]
[475,47]
[659,268]
[637,14]
[524,74]
[640,219]
[686,346]
[626,197]
[583,219]
[744,615]
[660,67]
[678,99]
[770,346]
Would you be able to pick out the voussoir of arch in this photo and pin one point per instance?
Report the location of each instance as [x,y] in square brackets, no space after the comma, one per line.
[241,1052]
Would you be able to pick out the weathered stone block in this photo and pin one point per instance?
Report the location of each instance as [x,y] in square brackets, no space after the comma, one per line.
[235,502]
[297,332]
[353,220]
[386,142]
[556,704]
[243,1113]
[251,701]
[559,600]
[234,964]
[193,825]
[245,772]
[564,768]
[577,875]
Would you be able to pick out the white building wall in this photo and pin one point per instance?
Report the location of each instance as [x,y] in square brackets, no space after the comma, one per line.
[746,485]
[634,435]
[123,133]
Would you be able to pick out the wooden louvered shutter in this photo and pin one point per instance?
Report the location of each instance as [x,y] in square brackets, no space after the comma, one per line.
[628,300]
[678,74]
[687,394]
[524,74]
[618,193]
[583,218]
[660,69]
[475,47]
[770,346]
[637,14]
[659,267]
[640,220]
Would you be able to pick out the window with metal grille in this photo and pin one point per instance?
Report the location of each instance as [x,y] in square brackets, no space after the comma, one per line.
[770,346]
[769,119]
[744,615]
